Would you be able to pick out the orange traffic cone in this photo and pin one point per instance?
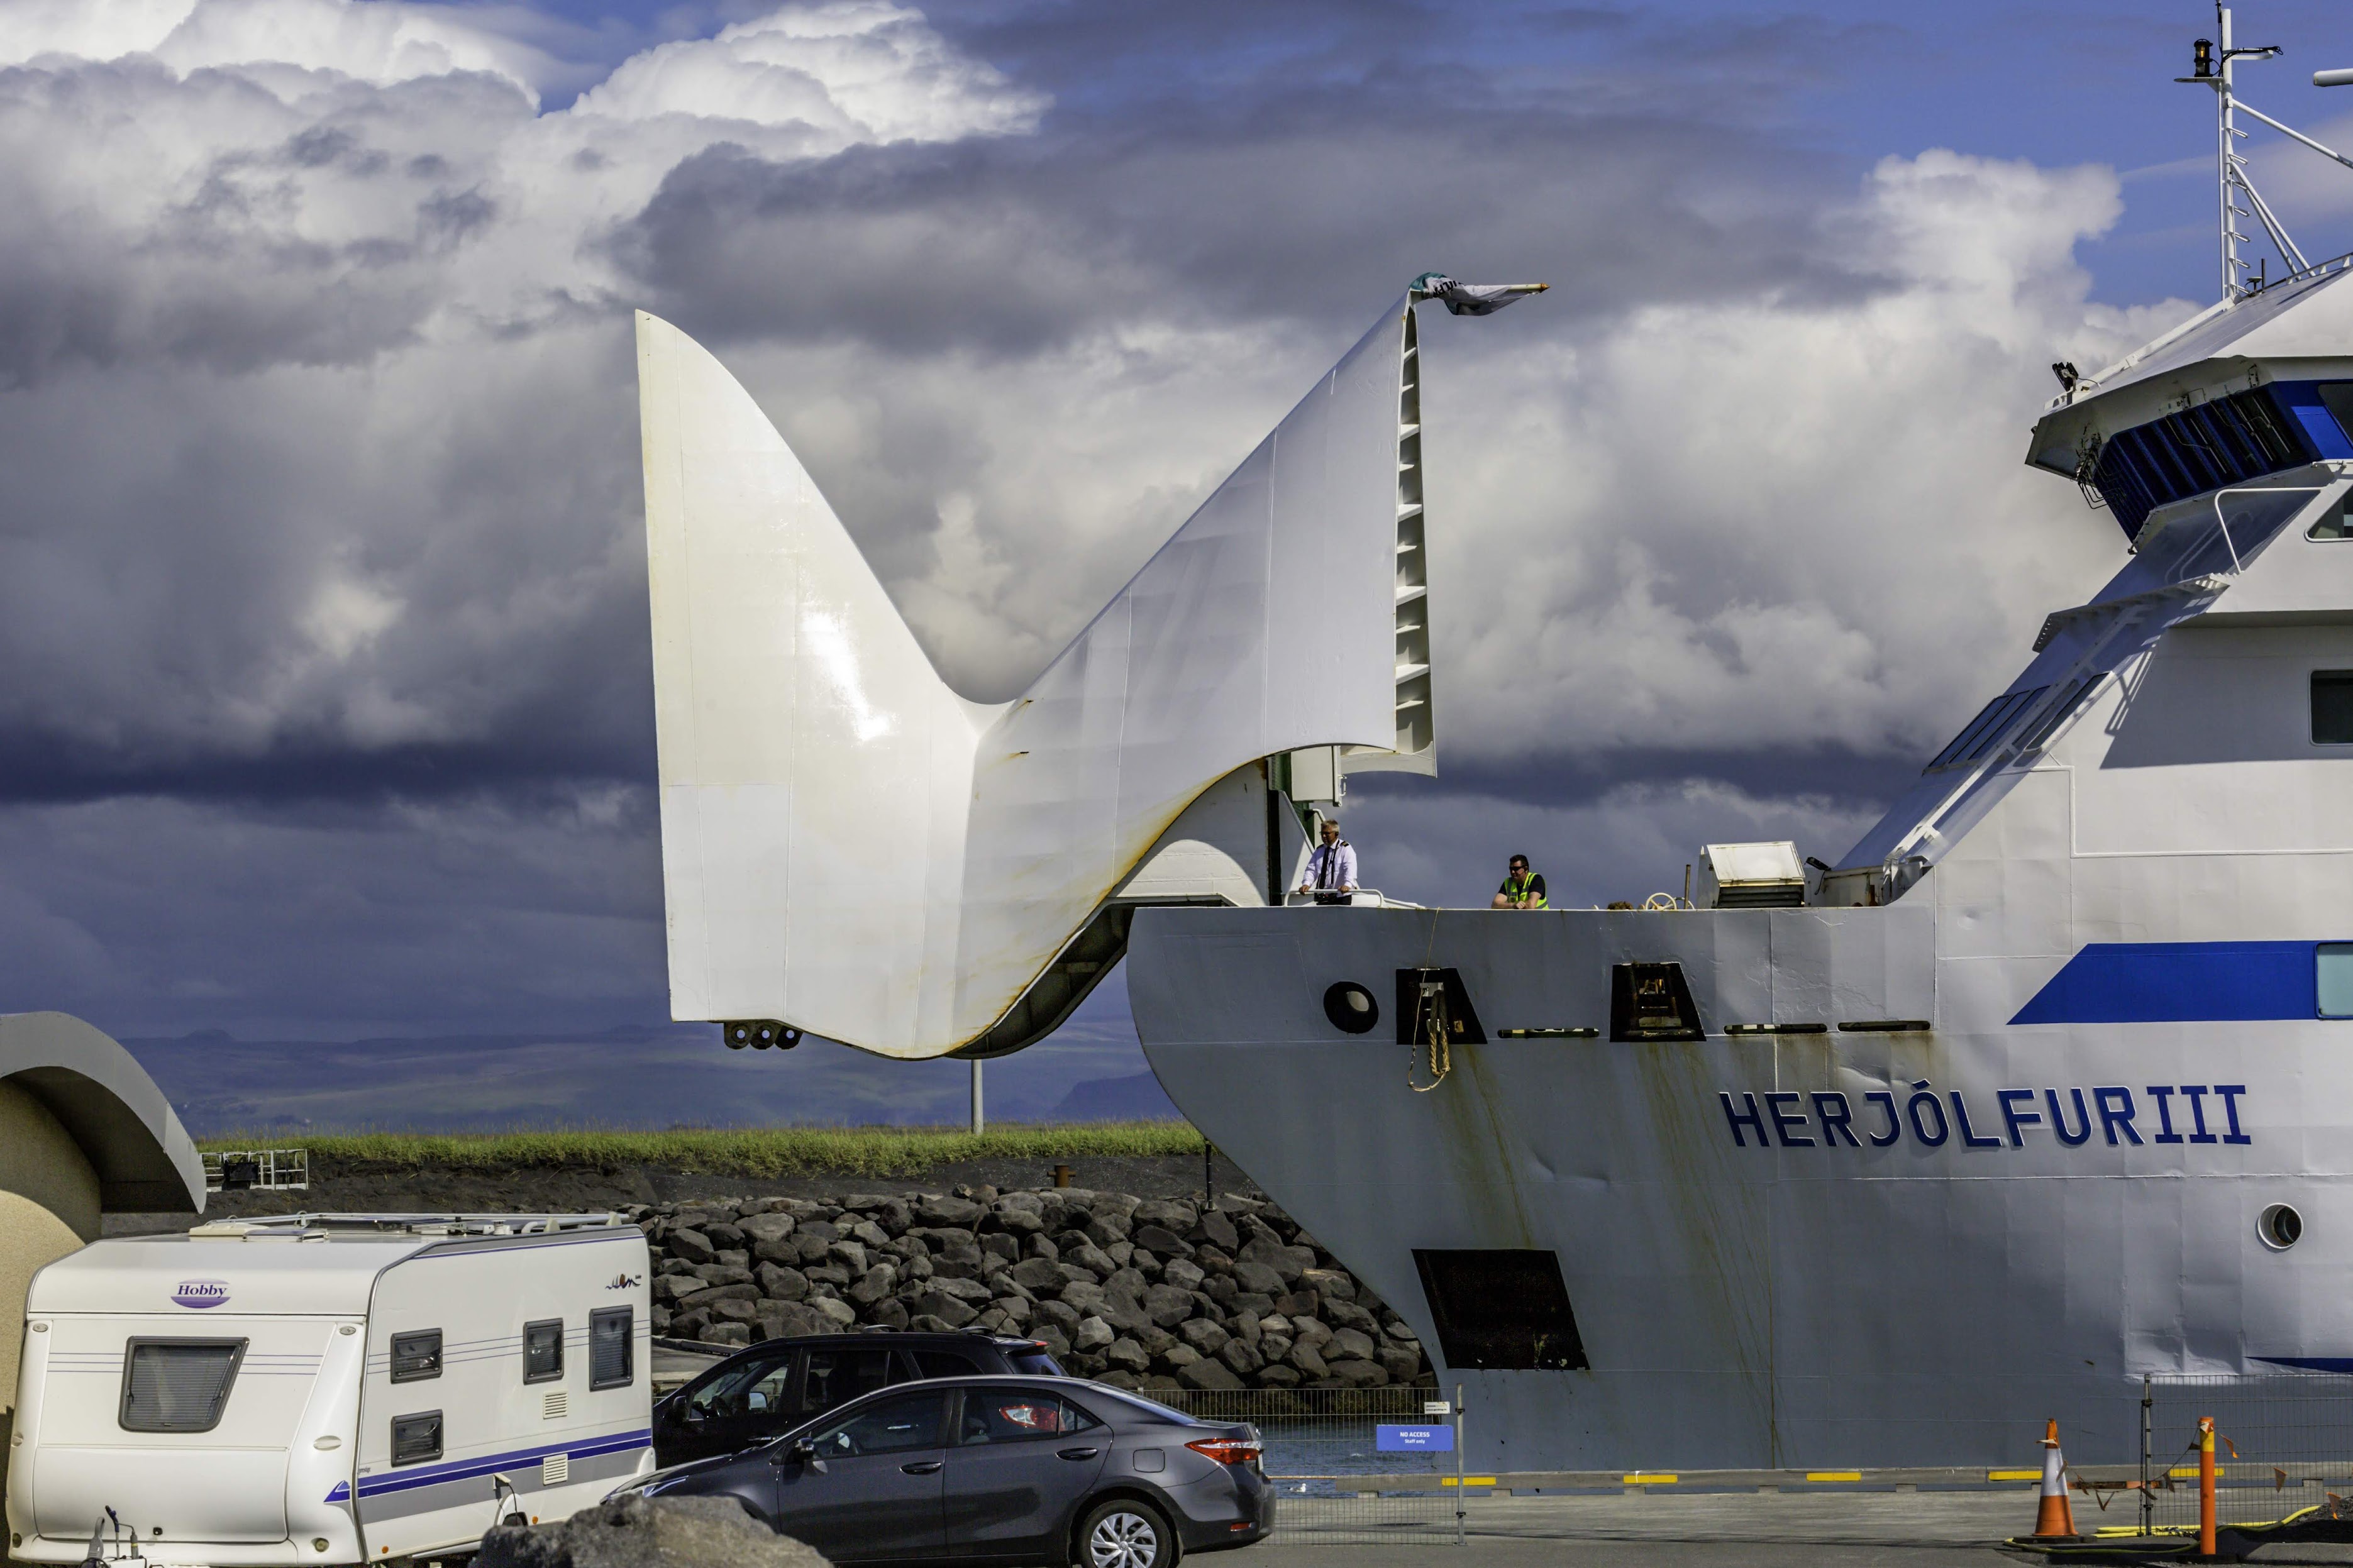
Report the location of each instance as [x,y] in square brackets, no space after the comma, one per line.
[2052,1517]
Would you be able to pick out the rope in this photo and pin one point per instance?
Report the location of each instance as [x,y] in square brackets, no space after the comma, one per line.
[1441,1055]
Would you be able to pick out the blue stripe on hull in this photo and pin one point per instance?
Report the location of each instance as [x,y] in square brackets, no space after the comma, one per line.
[2178,982]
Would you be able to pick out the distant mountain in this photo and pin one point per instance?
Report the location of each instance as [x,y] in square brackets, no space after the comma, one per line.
[1136,1098]
[667,1075]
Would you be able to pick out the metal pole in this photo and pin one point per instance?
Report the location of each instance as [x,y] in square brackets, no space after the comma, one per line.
[979,1120]
[1458,1464]
[2222,136]
[2206,1487]
[2148,1503]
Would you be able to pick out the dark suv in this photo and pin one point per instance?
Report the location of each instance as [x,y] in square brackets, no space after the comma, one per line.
[777,1384]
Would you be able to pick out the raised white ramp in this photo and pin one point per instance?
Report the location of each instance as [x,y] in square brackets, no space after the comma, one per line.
[850,847]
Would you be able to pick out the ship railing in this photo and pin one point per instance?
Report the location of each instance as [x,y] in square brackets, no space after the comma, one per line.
[1362,898]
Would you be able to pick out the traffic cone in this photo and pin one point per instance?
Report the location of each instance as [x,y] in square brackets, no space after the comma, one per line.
[2052,1517]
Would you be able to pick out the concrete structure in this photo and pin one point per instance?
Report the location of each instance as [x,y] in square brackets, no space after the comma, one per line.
[84,1133]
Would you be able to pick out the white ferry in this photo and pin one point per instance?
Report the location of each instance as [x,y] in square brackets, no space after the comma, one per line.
[2036,1091]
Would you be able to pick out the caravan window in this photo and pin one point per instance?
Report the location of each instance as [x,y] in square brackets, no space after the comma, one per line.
[417,1356]
[612,1343]
[177,1385]
[417,1438]
[543,1351]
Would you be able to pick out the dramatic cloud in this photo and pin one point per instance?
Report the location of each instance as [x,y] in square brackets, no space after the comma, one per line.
[323,687]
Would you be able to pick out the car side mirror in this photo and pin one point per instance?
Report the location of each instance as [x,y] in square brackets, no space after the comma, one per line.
[800,1451]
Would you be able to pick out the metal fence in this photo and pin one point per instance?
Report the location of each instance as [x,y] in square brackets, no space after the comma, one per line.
[241,1170]
[1352,1466]
[2283,1455]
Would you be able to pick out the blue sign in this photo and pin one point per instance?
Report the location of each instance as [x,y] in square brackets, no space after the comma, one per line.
[1414,1439]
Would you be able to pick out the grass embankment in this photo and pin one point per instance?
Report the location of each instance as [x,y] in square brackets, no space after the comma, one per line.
[780,1151]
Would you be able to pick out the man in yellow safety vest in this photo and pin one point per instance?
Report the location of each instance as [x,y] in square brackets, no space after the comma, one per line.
[1522,889]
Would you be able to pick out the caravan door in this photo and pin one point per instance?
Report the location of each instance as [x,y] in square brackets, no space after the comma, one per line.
[180,1425]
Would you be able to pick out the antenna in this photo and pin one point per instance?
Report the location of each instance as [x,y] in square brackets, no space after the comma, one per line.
[2216,69]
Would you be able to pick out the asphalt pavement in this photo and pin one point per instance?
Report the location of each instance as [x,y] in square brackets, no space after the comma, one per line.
[1718,1530]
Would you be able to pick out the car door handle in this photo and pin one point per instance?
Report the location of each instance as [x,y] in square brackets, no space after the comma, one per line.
[922,1467]
[1079,1453]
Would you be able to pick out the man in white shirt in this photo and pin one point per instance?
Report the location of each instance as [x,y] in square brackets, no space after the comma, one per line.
[1330,868]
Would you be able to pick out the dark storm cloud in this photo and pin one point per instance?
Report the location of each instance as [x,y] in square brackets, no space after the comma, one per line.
[1273,202]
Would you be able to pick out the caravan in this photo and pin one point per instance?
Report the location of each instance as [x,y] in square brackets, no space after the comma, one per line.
[328,1388]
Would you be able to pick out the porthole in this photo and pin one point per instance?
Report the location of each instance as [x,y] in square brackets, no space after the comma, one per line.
[1351,1009]
[2280,1227]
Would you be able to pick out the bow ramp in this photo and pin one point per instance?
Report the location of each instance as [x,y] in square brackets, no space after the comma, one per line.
[851,849]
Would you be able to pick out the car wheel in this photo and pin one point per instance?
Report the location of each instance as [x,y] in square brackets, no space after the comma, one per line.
[1125,1534]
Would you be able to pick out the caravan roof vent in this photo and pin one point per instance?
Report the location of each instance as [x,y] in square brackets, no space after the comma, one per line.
[1751,876]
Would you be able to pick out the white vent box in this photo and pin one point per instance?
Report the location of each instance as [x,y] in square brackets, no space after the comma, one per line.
[1751,876]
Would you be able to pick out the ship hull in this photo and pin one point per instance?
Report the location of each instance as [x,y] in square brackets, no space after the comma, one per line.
[1924,1283]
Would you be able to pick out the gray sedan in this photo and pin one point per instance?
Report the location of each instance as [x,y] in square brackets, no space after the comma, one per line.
[1000,1470]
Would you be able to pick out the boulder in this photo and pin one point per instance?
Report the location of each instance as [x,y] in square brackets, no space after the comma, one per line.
[1287,1262]
[1094,1335]
[1349,1343]
[1253,1277]
[1302,1356]
[1123,1312]
[1125,1282]
[1000,1246]
[1330,1284]
[962,1289]
[1353,1373]
[1166,1212]
[1179,1356]
[1218,1231]
[888,1314]
[1275,1375]
[722,1273]
[784,1284]
[1126,1355]
[763,1227]
[937,1208]
[1016,1219]
[1240,1358]
[1167,1305]
[1038,1275]
[1061,1314]
[735,1336]
[1161,1241]
[782,1320]
[950,1311]
[710,1294]
[834,1307]
[723,1234]
[1204,1336]
[692,1246]
[1206,1375]
[1347,1314]
[1183,1275]
[874,1285]
[865,1232]
[1105,1230]
[1402,1365]
[638,1531]
[668,1288]
[850,1255]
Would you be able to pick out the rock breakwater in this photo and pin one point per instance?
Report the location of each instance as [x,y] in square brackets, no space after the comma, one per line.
[1140,1293]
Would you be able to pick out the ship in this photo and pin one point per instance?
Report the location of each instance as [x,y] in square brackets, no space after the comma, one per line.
[2044,1088]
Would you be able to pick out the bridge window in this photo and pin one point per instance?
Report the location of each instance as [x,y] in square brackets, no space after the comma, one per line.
[2332,964]
[2332,707]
